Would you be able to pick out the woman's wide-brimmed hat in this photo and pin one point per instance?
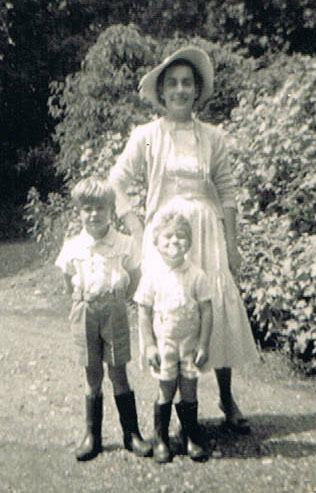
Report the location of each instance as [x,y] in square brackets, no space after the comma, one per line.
[197,57]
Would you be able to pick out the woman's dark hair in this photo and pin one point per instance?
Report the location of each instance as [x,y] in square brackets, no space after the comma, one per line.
[198,81]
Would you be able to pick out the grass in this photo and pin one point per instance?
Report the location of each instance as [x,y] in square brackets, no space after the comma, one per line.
[17,256]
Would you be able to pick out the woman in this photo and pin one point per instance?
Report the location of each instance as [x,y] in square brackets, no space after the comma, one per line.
[185,164]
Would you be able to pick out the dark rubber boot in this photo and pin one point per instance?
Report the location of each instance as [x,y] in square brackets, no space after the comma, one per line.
[91,444]
[187,414]
[162,414]
[132,438]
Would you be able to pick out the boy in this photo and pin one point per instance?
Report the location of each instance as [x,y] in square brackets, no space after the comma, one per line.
[98,265]
[175,317]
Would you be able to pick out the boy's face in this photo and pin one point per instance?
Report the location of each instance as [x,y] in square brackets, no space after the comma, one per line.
[95,217]
[173,243]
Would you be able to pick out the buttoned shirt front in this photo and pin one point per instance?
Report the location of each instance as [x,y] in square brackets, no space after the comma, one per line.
[99,266]
[174,295]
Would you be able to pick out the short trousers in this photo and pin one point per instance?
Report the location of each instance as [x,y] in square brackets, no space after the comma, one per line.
[101,332]
[176,356]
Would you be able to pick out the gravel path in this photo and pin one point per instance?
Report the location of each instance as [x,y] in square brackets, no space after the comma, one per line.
[41,414]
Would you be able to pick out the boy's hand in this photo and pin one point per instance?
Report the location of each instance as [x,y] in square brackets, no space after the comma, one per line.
[153,358]
[68,287]
[120,293]
[200,357]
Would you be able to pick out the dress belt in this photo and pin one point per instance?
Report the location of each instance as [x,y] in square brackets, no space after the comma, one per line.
[186,188]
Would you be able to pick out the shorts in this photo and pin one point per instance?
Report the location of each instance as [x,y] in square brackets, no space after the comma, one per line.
[101,332]
[176,356]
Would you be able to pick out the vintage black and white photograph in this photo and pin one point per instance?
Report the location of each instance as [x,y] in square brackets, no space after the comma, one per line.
[158,246]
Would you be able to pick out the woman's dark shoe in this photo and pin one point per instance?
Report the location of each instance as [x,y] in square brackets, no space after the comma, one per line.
[235,421]
[132,438]
[91,444]
[162,414]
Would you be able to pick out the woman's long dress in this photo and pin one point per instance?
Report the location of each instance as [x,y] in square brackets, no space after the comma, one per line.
[185,189]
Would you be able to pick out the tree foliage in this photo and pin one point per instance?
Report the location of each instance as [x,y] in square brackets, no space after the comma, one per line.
[165,19]
[259,26]
[40,41]
[273,148]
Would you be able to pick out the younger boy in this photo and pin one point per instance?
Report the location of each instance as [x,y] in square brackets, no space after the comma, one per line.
[98,265]
[175,317]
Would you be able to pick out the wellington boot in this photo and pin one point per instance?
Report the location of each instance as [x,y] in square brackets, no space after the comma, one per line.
[91,444]
[133,441]
[187,414]
[162,414]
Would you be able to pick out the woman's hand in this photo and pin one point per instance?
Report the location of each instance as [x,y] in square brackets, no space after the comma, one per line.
[234,260]
[134,225]
[234,257]
[200,357]
[152,357]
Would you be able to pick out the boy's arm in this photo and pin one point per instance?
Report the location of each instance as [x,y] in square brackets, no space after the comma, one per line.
[146,328]
[67,283]
[134,275]
[64,263]
[134,226]
[206,313]
[131,264]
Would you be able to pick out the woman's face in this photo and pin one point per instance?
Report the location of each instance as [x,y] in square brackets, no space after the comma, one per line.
[179,92]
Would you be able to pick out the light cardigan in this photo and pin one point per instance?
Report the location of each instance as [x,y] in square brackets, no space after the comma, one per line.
[147,151]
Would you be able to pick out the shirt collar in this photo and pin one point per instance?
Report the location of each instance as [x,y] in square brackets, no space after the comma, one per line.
[182,268]
[87,240]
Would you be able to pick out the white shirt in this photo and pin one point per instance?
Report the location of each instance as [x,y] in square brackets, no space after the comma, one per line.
[99,266]
[174,294]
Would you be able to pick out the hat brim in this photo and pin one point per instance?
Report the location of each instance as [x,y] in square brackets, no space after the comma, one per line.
[197,57]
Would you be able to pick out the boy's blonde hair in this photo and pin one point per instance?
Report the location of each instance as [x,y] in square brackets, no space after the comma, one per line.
[93,189]
[165,219]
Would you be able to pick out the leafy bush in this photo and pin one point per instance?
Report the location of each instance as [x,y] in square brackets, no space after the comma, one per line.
[273,148]
[12,223]
[48,221]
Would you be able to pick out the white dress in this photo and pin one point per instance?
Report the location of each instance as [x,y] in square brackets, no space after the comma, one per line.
[184,188]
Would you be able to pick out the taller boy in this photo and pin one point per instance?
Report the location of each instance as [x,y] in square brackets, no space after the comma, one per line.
[98,266]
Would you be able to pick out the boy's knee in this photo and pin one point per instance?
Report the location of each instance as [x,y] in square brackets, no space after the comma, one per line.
[188,388]
[93,390]
[118,378]
[94,376]
[167,390]
[117,372]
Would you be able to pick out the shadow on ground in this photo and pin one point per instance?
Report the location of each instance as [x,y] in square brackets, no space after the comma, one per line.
[266,440]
